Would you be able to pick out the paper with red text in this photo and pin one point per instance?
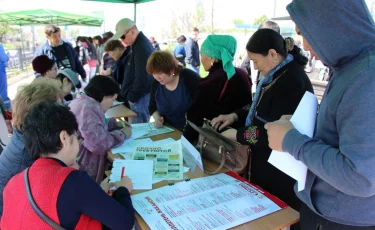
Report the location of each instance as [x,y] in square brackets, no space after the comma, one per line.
[216,202]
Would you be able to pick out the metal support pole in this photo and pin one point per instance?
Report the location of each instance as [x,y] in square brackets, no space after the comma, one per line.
[135,12]
[22,50]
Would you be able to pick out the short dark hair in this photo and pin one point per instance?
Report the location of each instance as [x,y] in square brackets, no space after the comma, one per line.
[270,25]
[195,29]
[181,38]
[99,38]
[101,86]
[43,125]
[112,45]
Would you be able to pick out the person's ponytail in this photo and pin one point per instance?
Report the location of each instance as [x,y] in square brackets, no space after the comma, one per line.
[295,51]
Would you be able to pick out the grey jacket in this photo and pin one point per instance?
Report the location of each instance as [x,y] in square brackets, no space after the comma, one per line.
[340,157]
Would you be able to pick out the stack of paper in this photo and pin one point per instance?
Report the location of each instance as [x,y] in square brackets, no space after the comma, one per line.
[168,160]
[140,172]
[151,130]
[304,121]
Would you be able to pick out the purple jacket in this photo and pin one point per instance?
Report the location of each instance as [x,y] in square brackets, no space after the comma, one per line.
[95,136]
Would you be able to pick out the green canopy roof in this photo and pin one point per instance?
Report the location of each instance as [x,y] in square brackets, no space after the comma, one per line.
[44,16]
[122,1]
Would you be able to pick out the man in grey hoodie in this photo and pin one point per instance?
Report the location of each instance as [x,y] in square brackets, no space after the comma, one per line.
[340,187]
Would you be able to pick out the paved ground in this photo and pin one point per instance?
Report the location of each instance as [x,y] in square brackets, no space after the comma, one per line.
[16,81]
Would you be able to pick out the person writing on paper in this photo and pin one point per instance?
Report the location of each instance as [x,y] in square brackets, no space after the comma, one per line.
[224,90]
[340,185]
[69,197]
[15,157]
[172,91]
[279,92]
[97,134]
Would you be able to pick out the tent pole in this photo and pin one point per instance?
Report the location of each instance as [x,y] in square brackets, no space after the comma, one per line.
[135,12]
[21,53]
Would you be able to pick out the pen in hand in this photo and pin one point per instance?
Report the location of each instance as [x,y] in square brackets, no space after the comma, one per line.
[261,119]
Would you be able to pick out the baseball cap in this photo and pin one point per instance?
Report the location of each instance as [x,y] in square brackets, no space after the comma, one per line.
[69,73]
[123,26]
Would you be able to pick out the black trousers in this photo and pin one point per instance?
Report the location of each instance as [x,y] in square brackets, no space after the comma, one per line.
[312,221]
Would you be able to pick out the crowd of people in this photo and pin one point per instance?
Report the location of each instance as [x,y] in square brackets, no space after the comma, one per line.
[61,135]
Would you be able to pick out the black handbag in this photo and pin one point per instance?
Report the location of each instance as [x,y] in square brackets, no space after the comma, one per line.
[37,210]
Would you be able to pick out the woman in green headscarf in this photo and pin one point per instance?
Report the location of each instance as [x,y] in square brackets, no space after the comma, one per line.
[226,88]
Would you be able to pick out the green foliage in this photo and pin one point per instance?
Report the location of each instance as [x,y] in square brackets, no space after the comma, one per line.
[5,29]
[260,20]
[238,21]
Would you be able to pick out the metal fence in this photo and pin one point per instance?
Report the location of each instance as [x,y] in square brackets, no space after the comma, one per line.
[19,59]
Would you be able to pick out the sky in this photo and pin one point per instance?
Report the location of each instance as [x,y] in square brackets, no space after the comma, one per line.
[155,15]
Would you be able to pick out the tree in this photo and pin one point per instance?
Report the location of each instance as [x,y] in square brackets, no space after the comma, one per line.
[199,16]
[5,29]
[260,20]
[238,21]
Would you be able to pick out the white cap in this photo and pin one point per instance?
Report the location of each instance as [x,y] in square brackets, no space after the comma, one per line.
[122,27]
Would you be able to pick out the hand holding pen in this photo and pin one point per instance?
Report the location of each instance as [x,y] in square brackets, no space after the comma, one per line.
[126,128]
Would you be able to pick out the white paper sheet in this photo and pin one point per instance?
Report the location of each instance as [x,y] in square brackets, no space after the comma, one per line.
[151,130]
[164,141]
[215,202]
[186,169]
[191,155]
[127,146]
[303,119]
[140,172]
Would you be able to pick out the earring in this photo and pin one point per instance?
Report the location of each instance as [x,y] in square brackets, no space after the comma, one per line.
[212,63]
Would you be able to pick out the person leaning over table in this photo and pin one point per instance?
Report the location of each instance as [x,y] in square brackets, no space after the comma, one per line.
[217,56]
[70,197]
[15,156]
[279,92]
[96,133]
[173,91]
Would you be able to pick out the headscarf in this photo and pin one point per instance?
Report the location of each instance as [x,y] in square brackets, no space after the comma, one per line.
[221,47]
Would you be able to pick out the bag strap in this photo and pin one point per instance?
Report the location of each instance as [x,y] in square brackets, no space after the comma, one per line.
[222,163]
[223,90]
[37,210]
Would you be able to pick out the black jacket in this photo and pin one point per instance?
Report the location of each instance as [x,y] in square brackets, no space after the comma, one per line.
[206,103]
[280,97]
[192,53]
[137,82]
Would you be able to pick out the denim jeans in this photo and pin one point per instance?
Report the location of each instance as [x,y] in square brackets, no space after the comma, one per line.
[196,69]
[141,109]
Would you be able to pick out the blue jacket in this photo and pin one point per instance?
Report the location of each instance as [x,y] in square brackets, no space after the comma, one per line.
[137,82]
[192,52]
[13,160]
[340,157]
[3,57]
[76,65]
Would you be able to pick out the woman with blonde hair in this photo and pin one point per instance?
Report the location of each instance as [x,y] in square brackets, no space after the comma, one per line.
[15,158]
